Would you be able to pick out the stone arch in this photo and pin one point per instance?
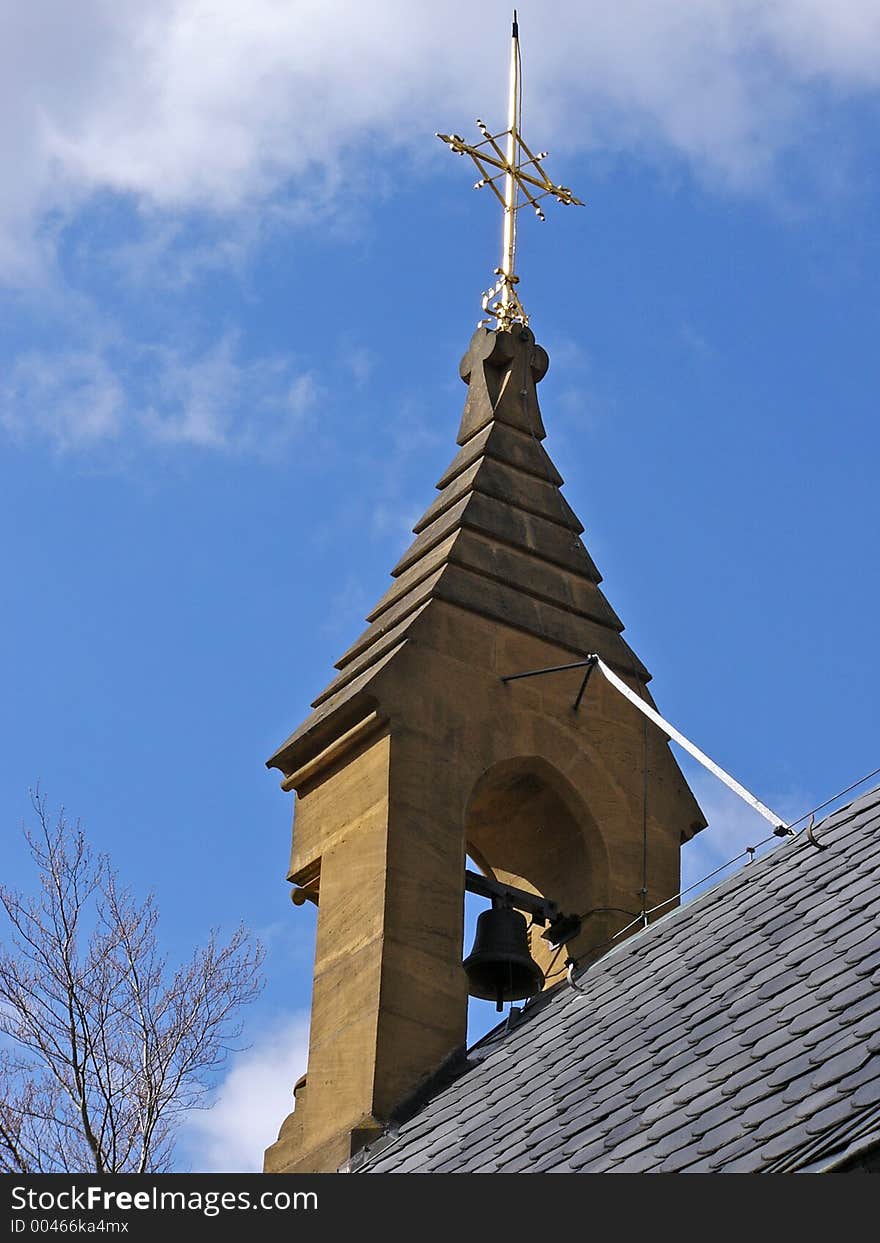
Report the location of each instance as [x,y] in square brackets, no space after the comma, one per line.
[527,826]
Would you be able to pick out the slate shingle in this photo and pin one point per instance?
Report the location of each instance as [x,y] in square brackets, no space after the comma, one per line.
[867,1095]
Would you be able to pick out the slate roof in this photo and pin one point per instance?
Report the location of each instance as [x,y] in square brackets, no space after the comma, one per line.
[739,1033]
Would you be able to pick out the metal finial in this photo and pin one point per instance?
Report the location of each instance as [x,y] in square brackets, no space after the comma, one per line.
[524,182]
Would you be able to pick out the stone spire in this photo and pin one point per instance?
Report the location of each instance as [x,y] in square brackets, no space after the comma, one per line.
[499,540]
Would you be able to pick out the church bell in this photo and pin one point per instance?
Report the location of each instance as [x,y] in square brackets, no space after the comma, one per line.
[500,967]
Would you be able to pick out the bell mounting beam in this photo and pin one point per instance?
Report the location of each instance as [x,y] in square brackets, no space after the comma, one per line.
[542,910]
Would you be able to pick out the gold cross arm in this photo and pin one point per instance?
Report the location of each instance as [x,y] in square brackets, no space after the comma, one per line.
[486,160]
[524,181]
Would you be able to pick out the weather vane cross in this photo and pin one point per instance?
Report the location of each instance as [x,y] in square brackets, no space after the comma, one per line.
[524,181]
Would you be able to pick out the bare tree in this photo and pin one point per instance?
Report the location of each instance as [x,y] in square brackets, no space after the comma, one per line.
[103,1046]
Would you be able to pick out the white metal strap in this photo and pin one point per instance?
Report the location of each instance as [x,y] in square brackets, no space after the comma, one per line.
[671,732]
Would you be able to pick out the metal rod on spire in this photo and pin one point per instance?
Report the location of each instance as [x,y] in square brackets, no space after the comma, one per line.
[522,178]
[508,255]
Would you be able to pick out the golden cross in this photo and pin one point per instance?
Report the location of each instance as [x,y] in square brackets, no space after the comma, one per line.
[524,182]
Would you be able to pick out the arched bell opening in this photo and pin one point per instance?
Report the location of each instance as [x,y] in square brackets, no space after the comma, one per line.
[526,827]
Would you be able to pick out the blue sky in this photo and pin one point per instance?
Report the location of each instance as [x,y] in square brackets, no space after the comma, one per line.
[237,272]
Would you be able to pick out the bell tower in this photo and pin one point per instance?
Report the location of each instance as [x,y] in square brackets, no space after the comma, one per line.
[418,753]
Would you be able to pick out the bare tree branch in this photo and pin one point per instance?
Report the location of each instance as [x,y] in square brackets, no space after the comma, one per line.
[103,1047]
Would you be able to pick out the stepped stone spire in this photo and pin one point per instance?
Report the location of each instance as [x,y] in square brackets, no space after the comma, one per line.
[500,540]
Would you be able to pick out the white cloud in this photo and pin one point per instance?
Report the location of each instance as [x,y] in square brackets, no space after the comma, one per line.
[216,401]
[695,343]
[361,362]
[251,1103]
[208,399]
[215,121]
[73,399]
[346,606]
[215,105]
